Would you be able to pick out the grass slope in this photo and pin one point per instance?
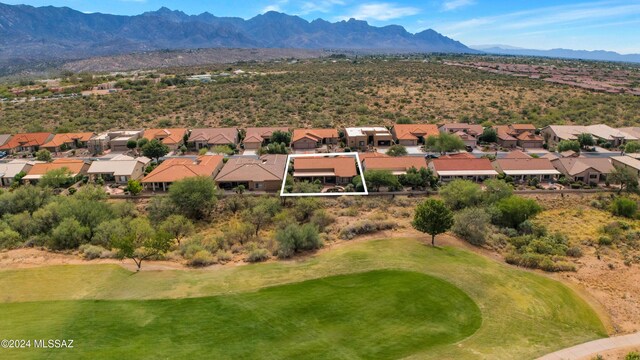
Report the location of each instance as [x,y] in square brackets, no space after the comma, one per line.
[523,314]
[382,314]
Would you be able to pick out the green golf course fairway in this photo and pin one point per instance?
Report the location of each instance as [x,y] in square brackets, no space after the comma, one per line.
[379,299]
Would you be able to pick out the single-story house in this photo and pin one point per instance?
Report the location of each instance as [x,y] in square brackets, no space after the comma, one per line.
[256,136]
[118,170]
[8,171]
[309,139]
[458,155]
[413,134]
[60,142]
[530,140]
[586,170]
[521,169]
[448,169]
[523,135]
[371,154]
[174,169]
[263,174]
[632,131]
[556,133]
[468,139]
[4,138]
[397,165]
[27,142]
[173,138]
[627,162]
[329,170]
[75,166]
[504,137]
[517,154]
[115,140]
[472,129]
[211,137]
[362,137]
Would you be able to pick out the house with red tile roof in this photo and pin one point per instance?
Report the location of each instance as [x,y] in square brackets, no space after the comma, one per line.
[468,169]
[26,142]
[329,170]
[211,137]
[472,129]
[76,167]
[257,136]
[309,139]
[523,135]
[174,169]
[173,138]
[263,174]
[398,165]
[522,169]
[61,142]
[413,134]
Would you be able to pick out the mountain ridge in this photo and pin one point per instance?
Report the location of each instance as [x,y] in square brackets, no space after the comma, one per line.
[599,55]
[44,33]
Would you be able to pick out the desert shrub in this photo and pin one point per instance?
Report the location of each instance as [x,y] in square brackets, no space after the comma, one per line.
[258,255]
[91,252]
[472,224]
[224,256]
[322,219]
[295,238]
[365,227]
[625,207]
[200,259]
[305,207]
[459,194]
[605,241]
[540,252]
[574,252]
[9,238]
[514,210]
[634,355]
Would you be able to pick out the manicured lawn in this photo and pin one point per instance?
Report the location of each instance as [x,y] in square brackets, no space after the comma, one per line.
[231,314]
[382,314]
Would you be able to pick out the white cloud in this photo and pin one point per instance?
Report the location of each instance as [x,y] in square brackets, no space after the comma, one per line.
[323,6]
[456,4]
[277,6]
[381,12]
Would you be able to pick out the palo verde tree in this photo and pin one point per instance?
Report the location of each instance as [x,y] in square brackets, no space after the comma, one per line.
[444,143]
[625,177]
[141,242]
[194,197]
[432,217]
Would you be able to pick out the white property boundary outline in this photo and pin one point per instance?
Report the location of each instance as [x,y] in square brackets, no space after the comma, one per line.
[349,154]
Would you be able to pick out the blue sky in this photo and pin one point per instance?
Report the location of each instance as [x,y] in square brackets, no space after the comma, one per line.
[540,24]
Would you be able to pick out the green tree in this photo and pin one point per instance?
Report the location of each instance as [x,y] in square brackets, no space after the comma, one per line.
[304,208]
[142,142]
[625,177]
[178,227]
[294,238]
[43,155]
[262,213]
[585,140]
[515,210]
[141,242]
[397,150]
[496,190]
[194,197]
[279,137]
[623,206]
[69,234]
[566,145]
[132,144]
[489,135]
[444,143]
[155,149]
[378,178]
[632,147]
[459,194]
[56,178]
[432,217]
[134,187]
[222,149]
[274,148]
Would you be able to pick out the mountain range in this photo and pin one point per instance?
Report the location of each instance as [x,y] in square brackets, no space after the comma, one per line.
[599,55]
[48,33]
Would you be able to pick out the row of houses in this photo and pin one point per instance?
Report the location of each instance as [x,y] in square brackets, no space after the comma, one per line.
[266,172]
[524,136]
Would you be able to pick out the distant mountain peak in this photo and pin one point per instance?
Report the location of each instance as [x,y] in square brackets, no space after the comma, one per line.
[598,55]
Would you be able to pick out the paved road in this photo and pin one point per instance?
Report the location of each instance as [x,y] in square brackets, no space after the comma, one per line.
[593,348]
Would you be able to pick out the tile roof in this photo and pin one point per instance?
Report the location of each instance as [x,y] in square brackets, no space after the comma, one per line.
[115,167]
[59,139]
[215,136]
[314,134]
[4,138]
[371,154]
[171,136]
[412,131]
[472,128]
[517,154]
[502,132]
[460,155]
[343,166]
[525,164]
[571,132]
[628,161]
[267,168]
[574,166]
[397,164]
[462,164]
[259,134]
[523,127]
[527,136]
[633,131]
[175,169]
[29,139]
[75,167]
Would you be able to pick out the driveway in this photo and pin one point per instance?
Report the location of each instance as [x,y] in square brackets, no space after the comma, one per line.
[593,348]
